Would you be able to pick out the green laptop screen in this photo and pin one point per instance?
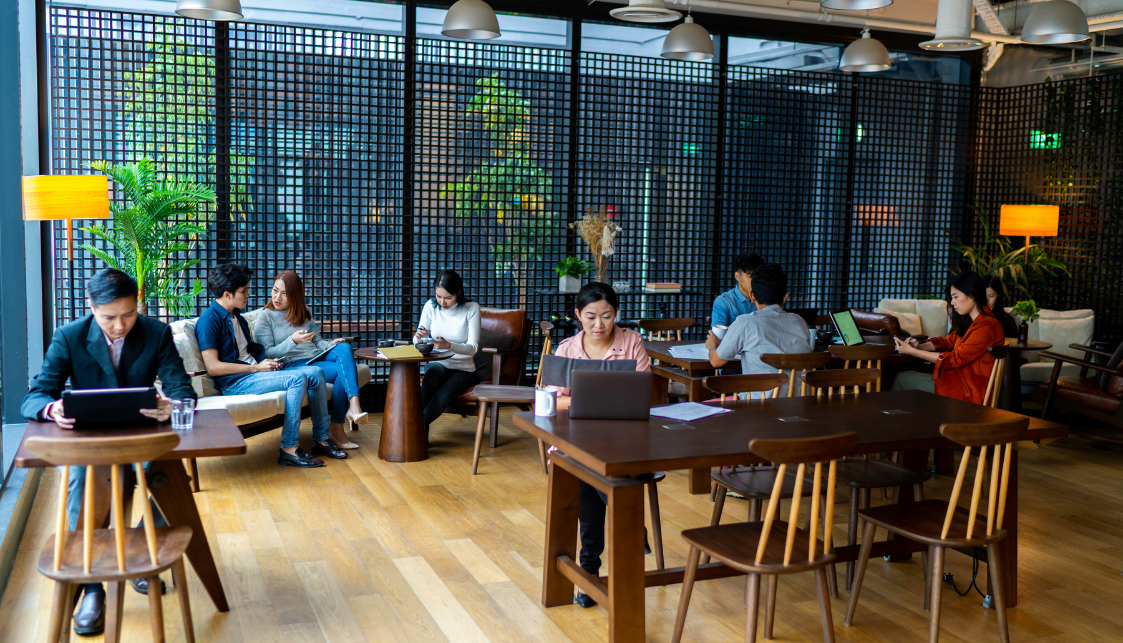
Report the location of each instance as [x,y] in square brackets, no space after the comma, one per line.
[847,328]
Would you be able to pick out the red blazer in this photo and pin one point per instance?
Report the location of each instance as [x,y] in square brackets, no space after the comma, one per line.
[964,366]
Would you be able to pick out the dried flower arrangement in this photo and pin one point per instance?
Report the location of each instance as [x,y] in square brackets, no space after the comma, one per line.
[599,231]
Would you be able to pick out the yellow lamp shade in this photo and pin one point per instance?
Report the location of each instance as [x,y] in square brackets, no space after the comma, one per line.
[1029,220]
[49,198]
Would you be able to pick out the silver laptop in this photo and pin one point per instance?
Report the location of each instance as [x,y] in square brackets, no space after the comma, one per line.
[610,395]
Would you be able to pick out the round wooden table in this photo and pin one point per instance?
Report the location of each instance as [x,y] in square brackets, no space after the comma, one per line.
[403,421]
[1013,376]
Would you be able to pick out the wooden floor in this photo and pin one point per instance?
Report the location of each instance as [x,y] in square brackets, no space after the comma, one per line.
[364,550]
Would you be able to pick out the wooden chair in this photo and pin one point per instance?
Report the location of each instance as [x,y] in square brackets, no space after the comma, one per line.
[660,330]
[119,554]
[752,548]
[792,362]
[994,384]
[945,524]
[868,356]
[862,474]
[490,396]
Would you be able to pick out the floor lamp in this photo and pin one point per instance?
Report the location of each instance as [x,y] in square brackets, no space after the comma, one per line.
[66,197]
[1029,221]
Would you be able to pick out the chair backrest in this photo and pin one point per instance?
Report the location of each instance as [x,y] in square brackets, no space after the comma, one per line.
[661,330]
[546,328]
[842,379]
[868,356]
[999,438]
[555,370]
[994,385]
[792,362]
[875,323]
[91,452]
[513,322]
[733,384]
[801,452]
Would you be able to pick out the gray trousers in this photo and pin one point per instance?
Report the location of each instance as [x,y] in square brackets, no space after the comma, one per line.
[914,381]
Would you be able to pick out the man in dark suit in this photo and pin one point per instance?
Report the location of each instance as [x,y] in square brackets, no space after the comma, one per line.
[112,347]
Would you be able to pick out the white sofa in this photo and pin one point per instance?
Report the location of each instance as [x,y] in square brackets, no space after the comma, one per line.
[1060,328]
[918,316]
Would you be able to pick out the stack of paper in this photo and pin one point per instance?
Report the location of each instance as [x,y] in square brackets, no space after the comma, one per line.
[691,351]
[400,352]
[688,411]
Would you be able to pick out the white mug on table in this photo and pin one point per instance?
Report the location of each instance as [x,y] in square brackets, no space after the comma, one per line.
[545,402]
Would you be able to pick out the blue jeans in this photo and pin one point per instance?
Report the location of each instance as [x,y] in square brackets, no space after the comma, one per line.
[295,381]
[339,370]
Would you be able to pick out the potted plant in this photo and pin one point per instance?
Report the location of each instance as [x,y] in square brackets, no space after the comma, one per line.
[158,221]
[569,274]
[1027,311]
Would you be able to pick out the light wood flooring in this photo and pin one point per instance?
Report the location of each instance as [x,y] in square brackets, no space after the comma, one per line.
[365,550]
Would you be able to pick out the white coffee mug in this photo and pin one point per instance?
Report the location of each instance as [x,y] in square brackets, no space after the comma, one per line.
[719,330]
[545,402]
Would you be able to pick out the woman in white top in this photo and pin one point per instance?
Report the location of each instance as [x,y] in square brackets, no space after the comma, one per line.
[451,322]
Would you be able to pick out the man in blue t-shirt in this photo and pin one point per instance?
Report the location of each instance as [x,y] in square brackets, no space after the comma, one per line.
[238,367]
[735,302]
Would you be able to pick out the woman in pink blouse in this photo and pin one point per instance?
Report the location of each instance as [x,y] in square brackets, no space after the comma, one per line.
[600,338]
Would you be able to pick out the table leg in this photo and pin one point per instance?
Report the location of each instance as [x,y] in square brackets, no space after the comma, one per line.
[403,423]
[698,392]
[698,481]
[1012,382]
[625,564]
[179,508]
[562,496]
[916,461]
[1008,546]
[659,386]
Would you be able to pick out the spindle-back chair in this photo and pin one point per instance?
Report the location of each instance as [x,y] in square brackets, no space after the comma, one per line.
[792,362]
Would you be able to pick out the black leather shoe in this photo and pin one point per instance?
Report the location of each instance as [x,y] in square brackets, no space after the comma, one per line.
[329,450]
[141,586]
[299,459]
[89,620]
[584,600]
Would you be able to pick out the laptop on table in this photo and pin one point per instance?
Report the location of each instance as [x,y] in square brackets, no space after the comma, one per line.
[610,395]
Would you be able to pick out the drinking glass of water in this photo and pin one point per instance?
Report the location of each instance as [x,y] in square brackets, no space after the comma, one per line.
[183,415]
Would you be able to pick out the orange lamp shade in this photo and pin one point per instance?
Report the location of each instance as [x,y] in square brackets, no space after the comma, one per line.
[50,198]
[1029,220]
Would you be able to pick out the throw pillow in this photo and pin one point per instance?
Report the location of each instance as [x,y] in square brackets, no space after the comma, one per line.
[1062,332]
[183,336]
[910,322]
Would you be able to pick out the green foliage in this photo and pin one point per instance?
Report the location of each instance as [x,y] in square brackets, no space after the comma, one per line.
[1026,310]
[509,189]
[996,255]
[572,267]
[157,223]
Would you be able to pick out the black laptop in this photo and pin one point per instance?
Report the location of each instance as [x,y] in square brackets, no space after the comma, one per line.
[610,395]
[117,406]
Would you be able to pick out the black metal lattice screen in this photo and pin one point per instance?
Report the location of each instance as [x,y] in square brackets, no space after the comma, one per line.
[1061,143]
[368,162]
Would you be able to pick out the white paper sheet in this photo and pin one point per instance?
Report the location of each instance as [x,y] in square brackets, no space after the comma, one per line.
[691,351]
[687,411]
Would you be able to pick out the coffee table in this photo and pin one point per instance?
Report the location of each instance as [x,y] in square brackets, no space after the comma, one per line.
[403,421]
[607,454]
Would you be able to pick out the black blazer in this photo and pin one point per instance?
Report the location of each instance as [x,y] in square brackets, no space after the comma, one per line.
[78,352]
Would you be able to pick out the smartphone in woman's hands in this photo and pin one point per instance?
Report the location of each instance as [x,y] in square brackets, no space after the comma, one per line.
[314,327]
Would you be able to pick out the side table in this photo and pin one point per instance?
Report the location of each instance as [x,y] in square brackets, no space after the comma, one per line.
[403,421]
[1013,376]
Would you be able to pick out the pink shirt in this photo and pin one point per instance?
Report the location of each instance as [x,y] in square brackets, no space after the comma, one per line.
[626,344]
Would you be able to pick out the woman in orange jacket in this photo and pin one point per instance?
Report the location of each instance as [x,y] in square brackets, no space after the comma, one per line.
[963,365]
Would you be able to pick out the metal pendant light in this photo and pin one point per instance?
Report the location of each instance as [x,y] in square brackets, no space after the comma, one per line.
[220,10]
[1055,22]
[471,20]
[854,5]
[954,22]
[688,41]
[865,54]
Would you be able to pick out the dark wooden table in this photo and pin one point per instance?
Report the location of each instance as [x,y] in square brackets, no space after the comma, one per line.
[403,421]
[605,454]
[215,434]
[1012,379]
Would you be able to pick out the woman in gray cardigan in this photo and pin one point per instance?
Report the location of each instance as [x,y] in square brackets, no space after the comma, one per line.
[282,328]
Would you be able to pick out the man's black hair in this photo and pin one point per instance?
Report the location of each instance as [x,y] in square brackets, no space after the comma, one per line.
[770,284]
[227,278]
[108,285]
[747,262]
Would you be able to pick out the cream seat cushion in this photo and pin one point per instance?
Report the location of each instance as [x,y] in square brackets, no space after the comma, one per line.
[246,409]
[1060,328]
[933,313]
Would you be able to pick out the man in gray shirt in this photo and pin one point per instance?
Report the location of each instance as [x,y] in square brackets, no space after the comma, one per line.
[769,330]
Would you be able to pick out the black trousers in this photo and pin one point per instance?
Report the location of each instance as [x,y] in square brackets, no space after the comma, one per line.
[591,510]
[440,386]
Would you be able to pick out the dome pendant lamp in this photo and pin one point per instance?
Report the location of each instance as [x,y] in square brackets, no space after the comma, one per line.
[471,20]
[219,10]
[688,41]
[1055,22]
[865,54]
[854,5]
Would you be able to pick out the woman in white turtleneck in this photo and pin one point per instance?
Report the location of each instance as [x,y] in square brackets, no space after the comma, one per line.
[452,322]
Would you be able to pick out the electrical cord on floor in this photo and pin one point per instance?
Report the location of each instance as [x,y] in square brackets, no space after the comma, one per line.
[974,576]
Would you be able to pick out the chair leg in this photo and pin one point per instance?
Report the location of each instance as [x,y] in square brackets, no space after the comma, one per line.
[752,606]
[925,561]
[59,612]
[754,509]
[656,523]
[715,517]
[180,579]
[193,471]
[918,492]
[542,457]
[479,437]
[824,605]
[936,581]
[852,535]
[684,597]
[114,610]
[997,586]
[493,437]
[770,606]
[156,609]
[828,538]
[860,571]
[713,490]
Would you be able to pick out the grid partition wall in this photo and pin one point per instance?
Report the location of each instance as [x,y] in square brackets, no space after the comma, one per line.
[1061,143]
[368,162]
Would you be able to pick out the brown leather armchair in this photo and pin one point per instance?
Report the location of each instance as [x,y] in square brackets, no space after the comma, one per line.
[505,337]
[1096,397]
[876,323]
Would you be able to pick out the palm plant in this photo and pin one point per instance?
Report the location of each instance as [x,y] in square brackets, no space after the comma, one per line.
[156,223]
[1020,269]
